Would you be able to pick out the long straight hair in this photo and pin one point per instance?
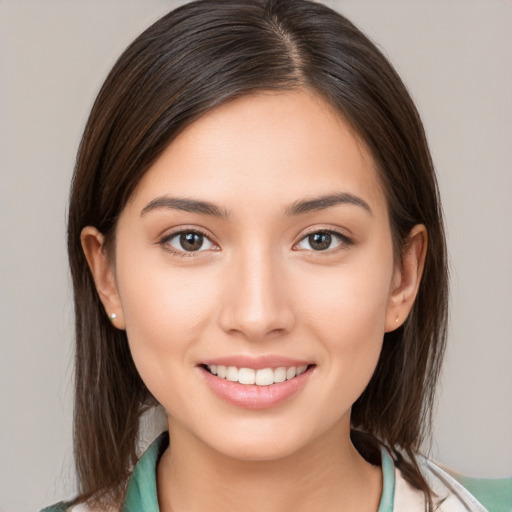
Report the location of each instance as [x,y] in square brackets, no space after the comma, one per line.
[195,58]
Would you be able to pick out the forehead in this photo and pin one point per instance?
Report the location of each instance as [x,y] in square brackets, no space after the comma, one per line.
[278,145]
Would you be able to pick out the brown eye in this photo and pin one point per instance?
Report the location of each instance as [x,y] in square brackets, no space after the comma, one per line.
[320,241]
[323,241]
[189,241]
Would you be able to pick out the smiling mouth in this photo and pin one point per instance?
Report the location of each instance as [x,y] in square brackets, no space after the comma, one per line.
[260,377]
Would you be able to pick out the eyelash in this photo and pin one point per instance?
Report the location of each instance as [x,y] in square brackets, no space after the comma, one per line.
[344,241]
[164,242]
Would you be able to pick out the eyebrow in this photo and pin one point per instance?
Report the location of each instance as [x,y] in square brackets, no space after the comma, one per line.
[186,205]
[327,201]
[297,208]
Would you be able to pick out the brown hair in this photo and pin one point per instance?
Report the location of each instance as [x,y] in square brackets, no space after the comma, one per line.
[190,61]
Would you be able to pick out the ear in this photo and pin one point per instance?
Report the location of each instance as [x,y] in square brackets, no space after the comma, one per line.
[103,274]
[407,278]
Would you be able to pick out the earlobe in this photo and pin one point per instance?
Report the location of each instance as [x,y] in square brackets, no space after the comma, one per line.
[103,274]
[407,278]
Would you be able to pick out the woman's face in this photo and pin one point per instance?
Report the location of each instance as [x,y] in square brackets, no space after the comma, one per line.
[258,247]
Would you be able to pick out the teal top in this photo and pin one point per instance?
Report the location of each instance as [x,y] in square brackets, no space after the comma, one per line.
[142,496]
[142,493]
[494,493]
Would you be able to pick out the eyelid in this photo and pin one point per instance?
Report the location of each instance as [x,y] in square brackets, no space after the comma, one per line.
[345,240]
[163,241]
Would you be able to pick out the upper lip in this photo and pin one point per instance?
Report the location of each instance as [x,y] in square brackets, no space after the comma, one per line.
[256,363]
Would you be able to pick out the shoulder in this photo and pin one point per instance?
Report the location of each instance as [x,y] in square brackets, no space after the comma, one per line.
[449,495]
[141,494]
[66,506]
[62,506]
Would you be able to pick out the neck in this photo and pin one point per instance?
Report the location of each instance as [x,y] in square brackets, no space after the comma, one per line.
[328,475]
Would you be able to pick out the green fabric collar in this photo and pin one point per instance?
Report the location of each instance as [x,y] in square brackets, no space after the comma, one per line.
[388,483]
[142,493]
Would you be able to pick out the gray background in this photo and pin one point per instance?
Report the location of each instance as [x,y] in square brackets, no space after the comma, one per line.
[455,56]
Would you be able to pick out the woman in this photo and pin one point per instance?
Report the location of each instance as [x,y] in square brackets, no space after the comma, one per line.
[256,244]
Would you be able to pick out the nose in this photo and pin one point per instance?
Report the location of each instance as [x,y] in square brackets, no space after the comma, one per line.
[257,302]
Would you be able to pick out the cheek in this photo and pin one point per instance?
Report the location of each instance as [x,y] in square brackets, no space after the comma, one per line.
[157,294]
[346,309]
[348,299]
[165,313]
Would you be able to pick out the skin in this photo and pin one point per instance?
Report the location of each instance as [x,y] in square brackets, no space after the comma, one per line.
[257,286]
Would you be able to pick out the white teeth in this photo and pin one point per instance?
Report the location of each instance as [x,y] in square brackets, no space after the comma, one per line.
[262,377]
[232,374]
[280,374]
[301,369]
[291,372]
[246,376]
[265,377]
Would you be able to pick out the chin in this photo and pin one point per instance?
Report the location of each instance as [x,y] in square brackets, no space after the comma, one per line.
[264,442]
[258,450]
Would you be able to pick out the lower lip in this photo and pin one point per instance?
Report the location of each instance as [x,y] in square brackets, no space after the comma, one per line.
[252,396]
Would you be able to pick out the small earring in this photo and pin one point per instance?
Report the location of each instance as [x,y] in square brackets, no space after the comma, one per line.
[397,318]
[112,317]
